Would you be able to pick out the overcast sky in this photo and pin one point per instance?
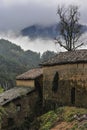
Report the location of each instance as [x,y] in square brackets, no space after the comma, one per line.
[17,14]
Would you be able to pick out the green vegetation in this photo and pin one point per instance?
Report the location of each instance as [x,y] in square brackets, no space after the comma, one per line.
[47,120]
[81,127]
[69,113]
[2,112]
[14,61]
[1,90]
[46,55]
[61,114]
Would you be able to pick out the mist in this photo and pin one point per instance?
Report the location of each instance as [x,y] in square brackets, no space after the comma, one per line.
[37,45]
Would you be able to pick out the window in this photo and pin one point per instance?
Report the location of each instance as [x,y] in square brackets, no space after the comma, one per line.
[73,96]
[18,107]
[55,82]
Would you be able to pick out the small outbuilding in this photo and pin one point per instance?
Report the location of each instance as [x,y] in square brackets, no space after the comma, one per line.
[19,102]
[65,78]
[31,78]
[17,105]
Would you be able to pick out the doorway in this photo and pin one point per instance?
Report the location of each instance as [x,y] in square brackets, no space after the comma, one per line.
[73,96]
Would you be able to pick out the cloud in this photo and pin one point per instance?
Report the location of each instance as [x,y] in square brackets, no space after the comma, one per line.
[26,43]
[41,2]
[17,14]
[38,45]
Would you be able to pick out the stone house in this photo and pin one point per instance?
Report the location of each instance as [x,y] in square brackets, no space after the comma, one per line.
[61,81]
[33,78]
[19,102]
[30,78]
[65,79]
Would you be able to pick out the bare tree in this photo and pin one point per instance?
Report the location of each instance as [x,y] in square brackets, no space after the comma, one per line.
[70,29]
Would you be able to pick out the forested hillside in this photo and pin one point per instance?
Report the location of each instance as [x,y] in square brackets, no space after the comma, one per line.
[14,61]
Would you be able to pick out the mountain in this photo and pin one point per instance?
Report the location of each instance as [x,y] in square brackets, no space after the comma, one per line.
[38,31]
[44,32]
[14,61]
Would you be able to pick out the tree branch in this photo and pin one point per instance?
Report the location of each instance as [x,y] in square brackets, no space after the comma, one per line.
[60,43]
[79,45]
[70,29]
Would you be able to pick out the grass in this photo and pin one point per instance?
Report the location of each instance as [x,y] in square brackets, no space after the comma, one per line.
[62,114]
[1,90]
[69,113]
[47,120]
[81,127]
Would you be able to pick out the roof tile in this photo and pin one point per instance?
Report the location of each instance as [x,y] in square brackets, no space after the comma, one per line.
[67,57]
[31,74]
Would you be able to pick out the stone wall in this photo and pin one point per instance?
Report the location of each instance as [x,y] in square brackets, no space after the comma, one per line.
[71,76]
[18,110]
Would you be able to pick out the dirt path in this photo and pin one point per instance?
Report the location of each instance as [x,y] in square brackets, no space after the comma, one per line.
[63,126]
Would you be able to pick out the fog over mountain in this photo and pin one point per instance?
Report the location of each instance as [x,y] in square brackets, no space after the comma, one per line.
[38,45]
[38,38]
[45,32]
[17,15]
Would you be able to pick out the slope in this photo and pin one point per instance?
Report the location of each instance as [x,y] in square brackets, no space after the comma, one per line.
[14,61]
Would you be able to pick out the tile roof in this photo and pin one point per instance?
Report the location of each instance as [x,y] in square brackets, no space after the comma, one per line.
[31,74]
[14,93]
[77,56]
